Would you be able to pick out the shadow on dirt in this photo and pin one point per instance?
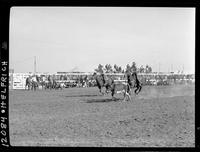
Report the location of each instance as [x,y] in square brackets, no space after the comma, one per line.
[101,100]
[94,95]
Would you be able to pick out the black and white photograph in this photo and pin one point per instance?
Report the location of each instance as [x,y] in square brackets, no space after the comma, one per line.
[102,76]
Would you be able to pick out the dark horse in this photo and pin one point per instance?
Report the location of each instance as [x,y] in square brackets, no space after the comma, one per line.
[103,81]
[28,83]
[133,81]
[51,82]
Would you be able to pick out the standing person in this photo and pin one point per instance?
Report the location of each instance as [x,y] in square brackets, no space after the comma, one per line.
[28,82]
[50,82]
[34,82]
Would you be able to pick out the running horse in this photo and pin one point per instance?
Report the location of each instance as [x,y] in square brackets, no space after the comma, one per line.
[103,81]
[136,84]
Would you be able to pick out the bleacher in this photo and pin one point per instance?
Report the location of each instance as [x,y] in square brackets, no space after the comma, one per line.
[17,80]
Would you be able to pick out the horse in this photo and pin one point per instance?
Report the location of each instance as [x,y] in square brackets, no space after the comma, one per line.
[50,82]
[34,81]
[43,82]
[28,83]
[103,81]
[137,84]
[54,84]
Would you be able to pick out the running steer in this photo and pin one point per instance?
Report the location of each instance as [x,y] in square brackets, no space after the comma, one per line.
[121,87]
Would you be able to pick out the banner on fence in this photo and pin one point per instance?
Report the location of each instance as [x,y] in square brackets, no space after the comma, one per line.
[19,80]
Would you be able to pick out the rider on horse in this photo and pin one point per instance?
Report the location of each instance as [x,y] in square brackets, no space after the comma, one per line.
[106,82]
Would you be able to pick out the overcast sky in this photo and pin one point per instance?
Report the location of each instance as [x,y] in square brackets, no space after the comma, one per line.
[80,38]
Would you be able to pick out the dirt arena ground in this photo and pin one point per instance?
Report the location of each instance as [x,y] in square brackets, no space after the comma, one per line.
[160,116]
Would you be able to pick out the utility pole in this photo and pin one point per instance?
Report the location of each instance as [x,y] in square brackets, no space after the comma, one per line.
[34,64]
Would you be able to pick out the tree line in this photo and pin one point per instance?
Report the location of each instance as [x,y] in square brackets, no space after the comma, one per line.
[118,69]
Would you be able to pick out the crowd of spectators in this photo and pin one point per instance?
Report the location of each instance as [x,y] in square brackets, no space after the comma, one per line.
[145,79]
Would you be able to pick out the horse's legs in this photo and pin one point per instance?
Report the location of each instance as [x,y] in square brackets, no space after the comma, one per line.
[101,91]
[124,97]
[129,96]
[112,93]
[34,87]
[106,86]
[138,89]
[107,89]
[126,94]
[31,86]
